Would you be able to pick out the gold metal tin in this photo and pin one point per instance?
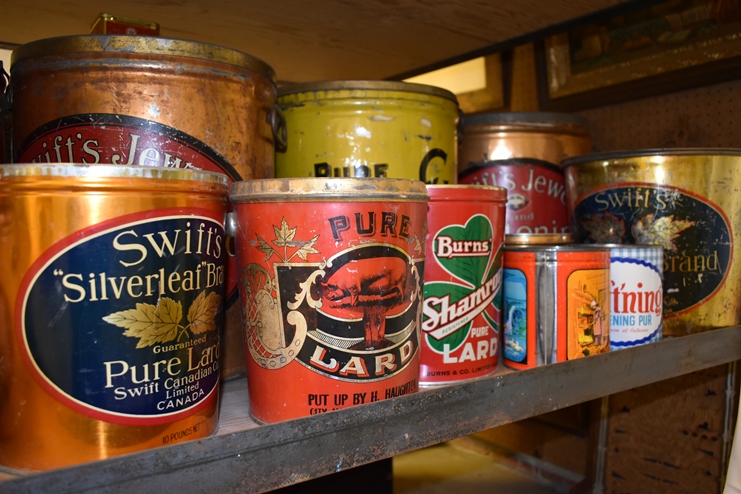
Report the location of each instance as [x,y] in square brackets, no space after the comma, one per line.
[369,129]
[538,239]
[684,200]
[42,207]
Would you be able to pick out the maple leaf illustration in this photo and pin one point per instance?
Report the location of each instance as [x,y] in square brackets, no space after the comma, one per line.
[265,247]
[202,313]
[605,230]
[662,231]
[284,236]
[308,248]
[151,324]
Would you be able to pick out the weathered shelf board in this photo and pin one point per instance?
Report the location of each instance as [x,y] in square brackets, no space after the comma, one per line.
[245,457]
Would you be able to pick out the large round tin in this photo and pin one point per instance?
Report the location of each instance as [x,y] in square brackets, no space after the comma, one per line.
[636,294]
[112,306]
[522,152]
[331,275]
[138,100]
[369,129]
[556,304]
[684,200]
[463,277]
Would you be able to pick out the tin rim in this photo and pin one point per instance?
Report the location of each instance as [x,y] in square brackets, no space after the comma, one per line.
[467,192]
[328,189]
[139,45]
[76,170]
[558,248]
[361,85]
[524,118]
[516,239]
[643,153]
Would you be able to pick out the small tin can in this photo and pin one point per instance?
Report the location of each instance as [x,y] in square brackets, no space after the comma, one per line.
[522,152]
[463,278]
[556,304]
[331,275]
[636,294]
[683,200]
[114,300]
[369,129]
[114,24]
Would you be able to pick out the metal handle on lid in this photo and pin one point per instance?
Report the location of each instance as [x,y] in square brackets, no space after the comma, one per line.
[231,224]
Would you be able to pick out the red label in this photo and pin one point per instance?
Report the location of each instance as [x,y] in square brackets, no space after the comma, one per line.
[536,194]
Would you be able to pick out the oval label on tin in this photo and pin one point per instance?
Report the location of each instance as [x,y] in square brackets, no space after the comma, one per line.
[352,317]
[695,234]
[109,139]
[451,308]
[121,320]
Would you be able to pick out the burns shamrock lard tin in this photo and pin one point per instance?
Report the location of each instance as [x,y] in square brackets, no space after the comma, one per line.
[463,278]
[112,307]
[331,273]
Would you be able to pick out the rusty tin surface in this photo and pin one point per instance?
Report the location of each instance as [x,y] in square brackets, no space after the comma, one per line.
[331,275]
[112,308]
[684,200]
[463,278]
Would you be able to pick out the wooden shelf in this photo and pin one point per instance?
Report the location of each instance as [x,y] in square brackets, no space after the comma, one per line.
[317,39]
[246,457]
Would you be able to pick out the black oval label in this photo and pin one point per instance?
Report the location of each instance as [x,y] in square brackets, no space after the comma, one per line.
[695,234]
[121,320]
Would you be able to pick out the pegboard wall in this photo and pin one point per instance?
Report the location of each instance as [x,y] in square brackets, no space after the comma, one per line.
[708,116]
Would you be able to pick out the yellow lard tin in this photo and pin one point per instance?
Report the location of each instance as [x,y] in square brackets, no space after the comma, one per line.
[369,129]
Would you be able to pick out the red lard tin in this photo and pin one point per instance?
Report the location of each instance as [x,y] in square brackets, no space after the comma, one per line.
[462,298]
[331,274]
[556,304]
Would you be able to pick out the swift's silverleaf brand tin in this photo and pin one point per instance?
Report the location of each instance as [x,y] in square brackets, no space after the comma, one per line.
[683,200]
[113,332]
[369,129]
[636,295]
[556,304]
[150,101]
[331,275]
[522,152]
[463,278]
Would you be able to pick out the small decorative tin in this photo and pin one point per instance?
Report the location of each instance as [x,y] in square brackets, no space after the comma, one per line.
[636,294]
[683,200]
[556,304]
[522,152]
[331,275]
[463,278]
[113,307]
[369,129]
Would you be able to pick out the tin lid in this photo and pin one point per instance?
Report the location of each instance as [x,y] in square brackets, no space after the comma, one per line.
[538,239]
[328,189]
[470,193]
[524,118]
[557,248]
[640,153]
[351,85]
[70,170]
[144,45]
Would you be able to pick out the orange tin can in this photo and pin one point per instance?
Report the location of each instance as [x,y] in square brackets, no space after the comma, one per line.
[556,304]
[113,300]
[331,274]
[463,277]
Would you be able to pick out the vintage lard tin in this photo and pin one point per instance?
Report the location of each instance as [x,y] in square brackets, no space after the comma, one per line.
[369,129]
[522,152]
[556,304]
[636,295]
[113,295]
[138,100]
[331,275]
[463,278]
[683,200]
